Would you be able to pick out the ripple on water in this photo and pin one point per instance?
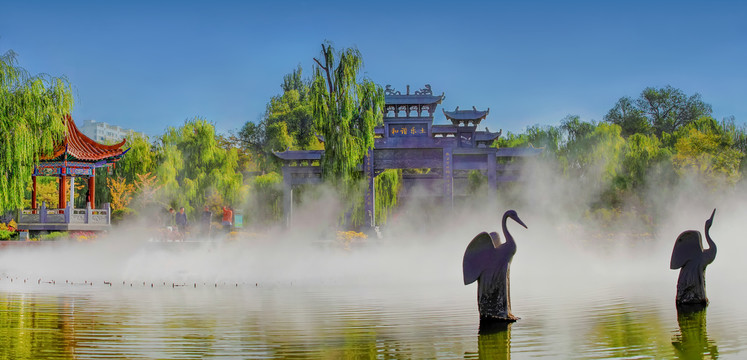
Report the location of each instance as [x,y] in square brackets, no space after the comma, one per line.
[356,321]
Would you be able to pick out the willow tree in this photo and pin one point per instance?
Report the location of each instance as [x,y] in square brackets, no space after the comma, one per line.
[31,111]
[192,166]
[345,111]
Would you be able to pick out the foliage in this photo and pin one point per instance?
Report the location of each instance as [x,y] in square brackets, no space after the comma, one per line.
[345,112]
[641,154]
[55,235]
[387,186]
[287,124]
[476,182]
[9,230]
[31,113]
[192,164]
[146,188]
[704,149]
[46,192]
[347,239]
[662,110]
[630,118]
[121,214]
[5,234]
[267,198]
[121,193]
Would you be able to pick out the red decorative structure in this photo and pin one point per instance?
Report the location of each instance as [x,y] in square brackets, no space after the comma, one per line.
[76,156]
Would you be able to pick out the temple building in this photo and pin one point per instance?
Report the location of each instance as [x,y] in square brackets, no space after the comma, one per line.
[408,139]
[75,156]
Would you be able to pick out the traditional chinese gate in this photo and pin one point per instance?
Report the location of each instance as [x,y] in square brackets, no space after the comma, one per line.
[409,140]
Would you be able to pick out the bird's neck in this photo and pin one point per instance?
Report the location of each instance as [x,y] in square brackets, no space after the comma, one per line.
[506,234]
[711,244]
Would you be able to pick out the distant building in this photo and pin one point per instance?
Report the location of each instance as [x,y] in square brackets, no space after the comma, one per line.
[106,133]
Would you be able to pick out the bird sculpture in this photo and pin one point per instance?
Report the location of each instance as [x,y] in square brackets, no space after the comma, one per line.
[487,261]
[688,256]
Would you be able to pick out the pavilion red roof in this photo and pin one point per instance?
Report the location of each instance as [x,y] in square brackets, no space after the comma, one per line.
[81,147]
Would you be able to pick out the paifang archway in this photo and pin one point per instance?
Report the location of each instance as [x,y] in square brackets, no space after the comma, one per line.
[408,139]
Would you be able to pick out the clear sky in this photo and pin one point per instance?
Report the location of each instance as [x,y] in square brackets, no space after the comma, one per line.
[149,65]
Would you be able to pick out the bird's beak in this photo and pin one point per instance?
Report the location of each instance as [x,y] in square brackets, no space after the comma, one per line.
[712,214]
[520,222]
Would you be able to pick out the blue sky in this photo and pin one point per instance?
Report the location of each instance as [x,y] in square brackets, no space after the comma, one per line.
[150,65]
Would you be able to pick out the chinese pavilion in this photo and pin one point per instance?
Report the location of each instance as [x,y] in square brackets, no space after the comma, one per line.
[76,156]
[408,139]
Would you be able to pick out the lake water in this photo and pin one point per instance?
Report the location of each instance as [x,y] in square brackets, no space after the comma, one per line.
[351,305]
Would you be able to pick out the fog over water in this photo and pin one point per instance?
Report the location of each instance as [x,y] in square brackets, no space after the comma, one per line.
[576,285]
[562,251]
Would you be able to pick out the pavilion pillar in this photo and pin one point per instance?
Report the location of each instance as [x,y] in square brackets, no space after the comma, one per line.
[448,179]
[492,176]
[62,191]
[71,199]
[92,191]
[33,191]
[368,163]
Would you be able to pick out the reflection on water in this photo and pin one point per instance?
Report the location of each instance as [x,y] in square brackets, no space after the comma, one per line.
[494,340]
[343,323]
[691,341]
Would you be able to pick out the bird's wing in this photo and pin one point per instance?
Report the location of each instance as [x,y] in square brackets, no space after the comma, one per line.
[477,257]
[688,246]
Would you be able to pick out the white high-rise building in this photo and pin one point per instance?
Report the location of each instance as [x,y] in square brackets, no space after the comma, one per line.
[106,133]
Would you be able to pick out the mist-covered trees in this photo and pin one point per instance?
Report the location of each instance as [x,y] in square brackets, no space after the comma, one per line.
[31,113]
[654,141]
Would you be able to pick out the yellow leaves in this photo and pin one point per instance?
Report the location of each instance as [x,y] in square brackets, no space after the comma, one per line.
[120,192]
[349,238]
[704,154]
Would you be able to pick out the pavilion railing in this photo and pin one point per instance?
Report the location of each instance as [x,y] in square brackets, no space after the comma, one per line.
[68,215]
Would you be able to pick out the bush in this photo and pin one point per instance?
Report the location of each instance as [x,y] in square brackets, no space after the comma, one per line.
[120,215]
[57,235]
[5,234]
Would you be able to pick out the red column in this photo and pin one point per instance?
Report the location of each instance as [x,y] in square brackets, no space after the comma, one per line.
[92,191]
[33,192]
[62,203]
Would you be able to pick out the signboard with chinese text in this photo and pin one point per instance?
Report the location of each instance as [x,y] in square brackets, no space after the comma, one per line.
[408,130]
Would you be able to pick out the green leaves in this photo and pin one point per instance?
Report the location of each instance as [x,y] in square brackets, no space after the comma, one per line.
[345,111]
[192,165]
[31,121]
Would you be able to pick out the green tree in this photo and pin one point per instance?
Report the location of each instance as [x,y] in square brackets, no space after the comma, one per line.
[387,186]
[630,118]
[705,149]
[31,113]
[140,159]
[192,165]
[287,124]
[345,111]
[669,109]
[641,154]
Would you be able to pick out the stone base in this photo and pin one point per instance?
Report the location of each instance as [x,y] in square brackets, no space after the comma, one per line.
[499,319]
[685,308]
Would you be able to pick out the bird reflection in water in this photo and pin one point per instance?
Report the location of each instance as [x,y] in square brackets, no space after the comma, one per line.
[691,341]
[494,340]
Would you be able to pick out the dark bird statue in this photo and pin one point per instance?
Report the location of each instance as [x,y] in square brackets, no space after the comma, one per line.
[688,256]
[488,261]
